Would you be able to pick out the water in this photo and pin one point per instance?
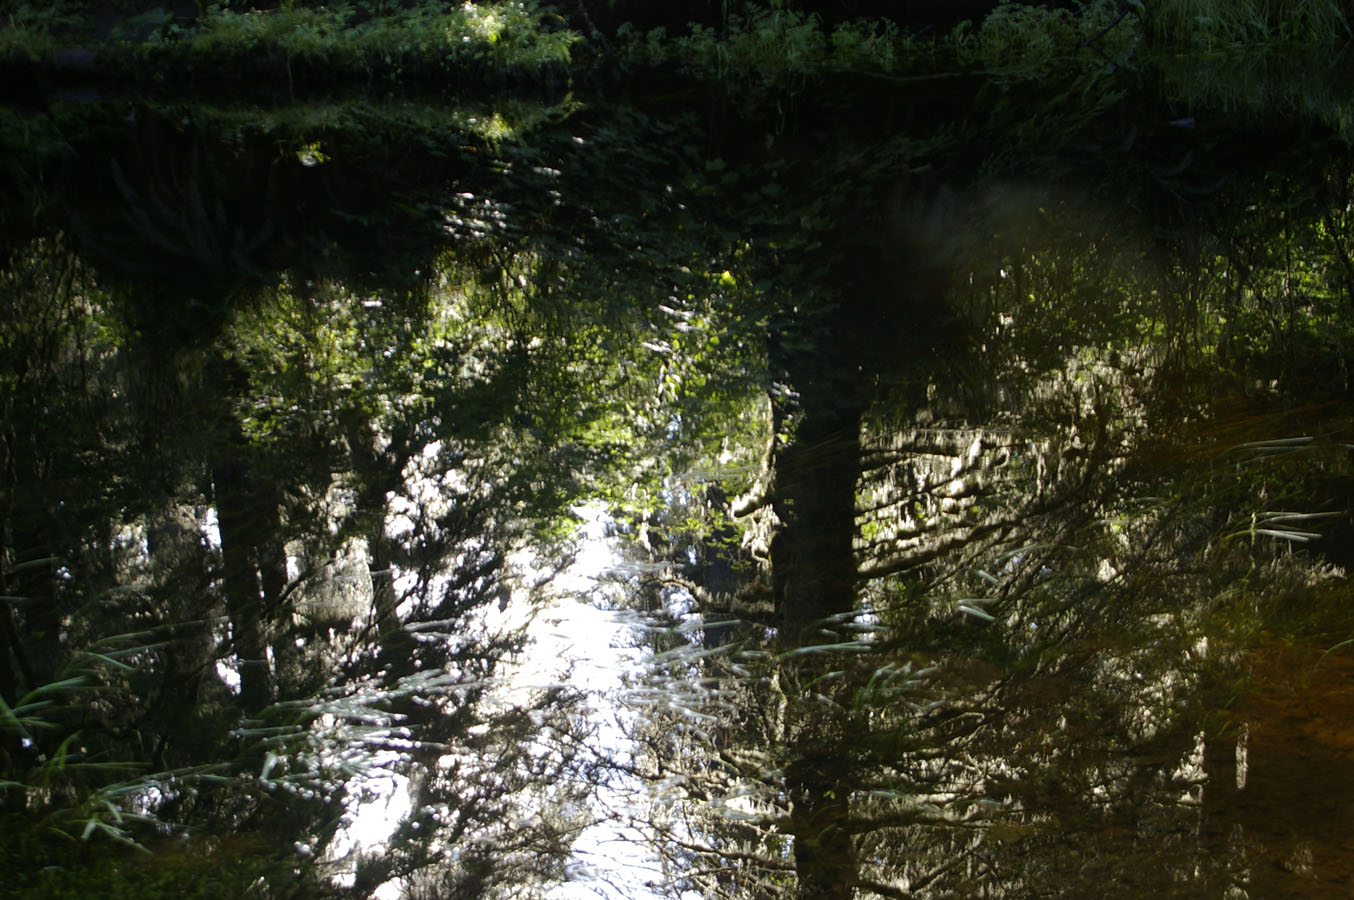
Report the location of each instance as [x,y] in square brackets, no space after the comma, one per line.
[802,488]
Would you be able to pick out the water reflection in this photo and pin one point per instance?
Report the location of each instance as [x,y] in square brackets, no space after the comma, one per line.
[952,528]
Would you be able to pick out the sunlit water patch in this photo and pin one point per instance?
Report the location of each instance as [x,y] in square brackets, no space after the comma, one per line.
[582,639]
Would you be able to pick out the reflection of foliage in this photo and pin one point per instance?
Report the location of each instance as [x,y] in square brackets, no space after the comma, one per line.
[489,47]
[1205,25]
[1068,565]
[328,418]
[781,50]
[1079,448]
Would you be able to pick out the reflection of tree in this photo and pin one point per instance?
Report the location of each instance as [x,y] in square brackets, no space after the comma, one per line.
[1015,681]
[1035,465]
[370,445]
[351,456]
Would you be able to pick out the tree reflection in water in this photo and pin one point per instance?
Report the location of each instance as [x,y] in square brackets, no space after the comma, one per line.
[970,410]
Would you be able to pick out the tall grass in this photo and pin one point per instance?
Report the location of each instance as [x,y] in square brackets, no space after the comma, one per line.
[1212,25]
[1266,57]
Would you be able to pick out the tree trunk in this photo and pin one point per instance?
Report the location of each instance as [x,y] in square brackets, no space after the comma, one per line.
[1220,811]
[235,516]
[813,562]
[825,857]
[814,572]
[246,524]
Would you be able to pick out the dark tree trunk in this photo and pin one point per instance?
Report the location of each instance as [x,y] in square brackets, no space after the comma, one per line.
[1220,814]
[814,576]
[248,523]
[812,560]
[235,516]
[885,322]
[825,857]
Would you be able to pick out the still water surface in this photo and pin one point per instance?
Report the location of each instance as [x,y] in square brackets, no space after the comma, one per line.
[578,514]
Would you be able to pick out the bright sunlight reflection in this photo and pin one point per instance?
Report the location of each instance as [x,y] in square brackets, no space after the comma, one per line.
[579,631]
[578,638]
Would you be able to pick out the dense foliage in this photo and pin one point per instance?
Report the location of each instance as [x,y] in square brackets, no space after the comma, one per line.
[975,393]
